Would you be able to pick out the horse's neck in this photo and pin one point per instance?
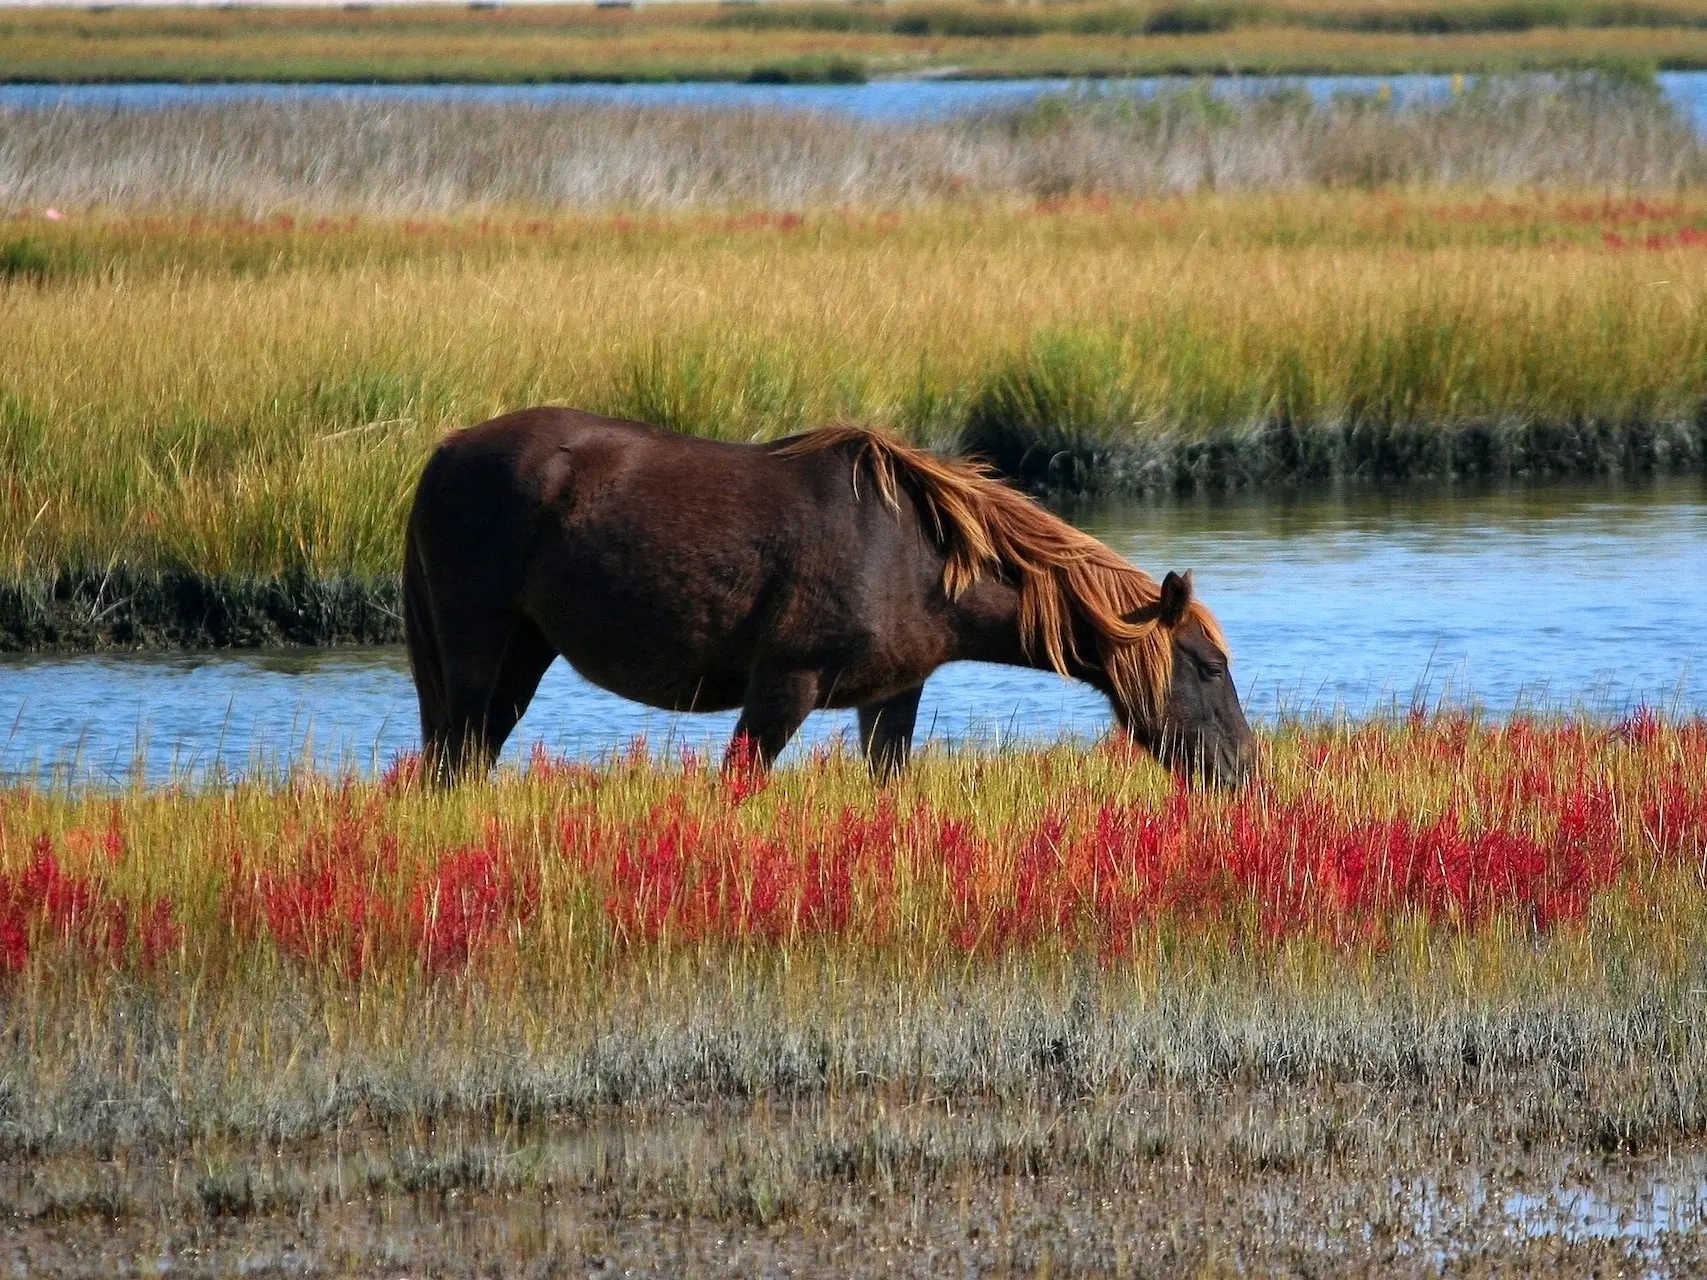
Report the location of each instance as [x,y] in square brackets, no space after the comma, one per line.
[987,626]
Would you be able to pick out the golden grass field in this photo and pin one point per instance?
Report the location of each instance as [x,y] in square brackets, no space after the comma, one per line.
[828,41]
[255,398]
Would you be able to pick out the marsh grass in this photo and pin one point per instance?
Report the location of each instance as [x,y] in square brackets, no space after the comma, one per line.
[229,1064]
[232,348]
[251,401]
[332,157]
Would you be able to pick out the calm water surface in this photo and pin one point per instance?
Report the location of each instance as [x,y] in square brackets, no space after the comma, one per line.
[898,99]
[1592,597]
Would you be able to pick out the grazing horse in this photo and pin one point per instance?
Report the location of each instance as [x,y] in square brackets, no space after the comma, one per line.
[837,568]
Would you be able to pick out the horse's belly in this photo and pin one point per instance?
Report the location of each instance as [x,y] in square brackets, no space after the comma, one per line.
[673,694]
[668,681]
[664,640]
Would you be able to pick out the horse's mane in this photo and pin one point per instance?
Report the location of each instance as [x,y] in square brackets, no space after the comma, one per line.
[1063,575]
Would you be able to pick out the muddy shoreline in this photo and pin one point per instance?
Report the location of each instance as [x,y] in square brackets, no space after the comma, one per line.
[722,1192]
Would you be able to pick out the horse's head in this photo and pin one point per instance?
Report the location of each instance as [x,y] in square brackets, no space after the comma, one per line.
[1200,731]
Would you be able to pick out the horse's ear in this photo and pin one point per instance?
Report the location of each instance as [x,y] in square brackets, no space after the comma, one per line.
[1175,599]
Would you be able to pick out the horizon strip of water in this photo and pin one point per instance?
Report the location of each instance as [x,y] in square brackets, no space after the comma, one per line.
[878,99]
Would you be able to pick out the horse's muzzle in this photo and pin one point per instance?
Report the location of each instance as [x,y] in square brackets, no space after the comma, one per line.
[1230,767]
[1233,769]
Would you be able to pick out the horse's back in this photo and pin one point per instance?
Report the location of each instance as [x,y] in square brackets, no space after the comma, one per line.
[518,457]
[569,459]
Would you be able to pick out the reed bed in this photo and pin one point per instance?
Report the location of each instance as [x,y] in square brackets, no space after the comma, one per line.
[817,41]
[1049,964]
[378,157]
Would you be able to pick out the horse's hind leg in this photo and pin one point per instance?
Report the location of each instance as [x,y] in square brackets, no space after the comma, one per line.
[492,668]
[777,703]
[886,733]
[424,660]
[526,658]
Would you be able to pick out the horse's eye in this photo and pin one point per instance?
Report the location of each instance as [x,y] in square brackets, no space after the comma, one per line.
[1211,670]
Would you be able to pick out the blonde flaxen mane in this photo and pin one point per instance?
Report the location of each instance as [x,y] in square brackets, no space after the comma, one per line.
[1062,575]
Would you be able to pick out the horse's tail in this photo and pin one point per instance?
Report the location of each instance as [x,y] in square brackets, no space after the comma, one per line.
[425,661]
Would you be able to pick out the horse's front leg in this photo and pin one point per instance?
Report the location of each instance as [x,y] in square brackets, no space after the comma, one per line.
[776,704]
[886,733]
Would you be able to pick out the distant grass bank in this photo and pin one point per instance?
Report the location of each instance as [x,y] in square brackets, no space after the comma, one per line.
[256,397]
[210,432]
[819,42]
[1607,130]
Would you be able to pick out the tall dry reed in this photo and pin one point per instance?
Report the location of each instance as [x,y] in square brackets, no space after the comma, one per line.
[380,157]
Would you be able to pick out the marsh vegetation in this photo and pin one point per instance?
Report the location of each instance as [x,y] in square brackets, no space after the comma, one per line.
[374,156]
[1017,1003]
[278,309]
[639,1002]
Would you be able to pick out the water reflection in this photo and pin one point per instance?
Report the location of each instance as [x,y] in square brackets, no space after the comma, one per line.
[1589,595]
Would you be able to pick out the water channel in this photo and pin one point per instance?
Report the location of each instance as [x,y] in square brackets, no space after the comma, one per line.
[1565,597]
[896,99]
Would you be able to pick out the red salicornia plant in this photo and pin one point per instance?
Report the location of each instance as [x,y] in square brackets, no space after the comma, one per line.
[1438,823]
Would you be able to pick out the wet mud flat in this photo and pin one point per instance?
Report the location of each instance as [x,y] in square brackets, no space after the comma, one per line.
[1289,1181]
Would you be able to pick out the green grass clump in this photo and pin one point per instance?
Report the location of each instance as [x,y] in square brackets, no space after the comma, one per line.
[24,259]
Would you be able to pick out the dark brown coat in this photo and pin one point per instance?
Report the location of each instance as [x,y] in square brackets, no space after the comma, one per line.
[835,569]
